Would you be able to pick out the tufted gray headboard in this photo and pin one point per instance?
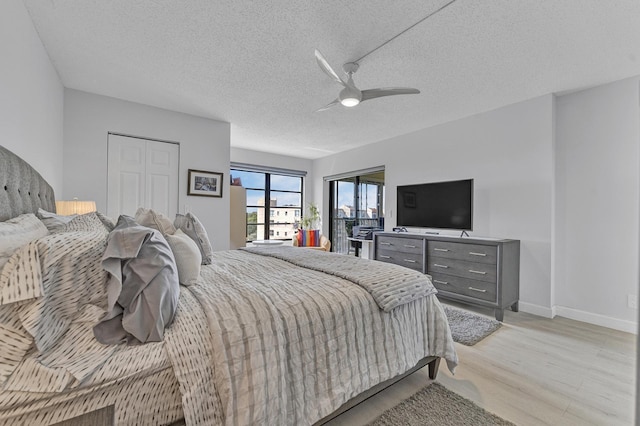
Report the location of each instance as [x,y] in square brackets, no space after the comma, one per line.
[22,189]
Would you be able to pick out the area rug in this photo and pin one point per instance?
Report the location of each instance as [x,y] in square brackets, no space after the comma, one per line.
[469,328]
[436,405]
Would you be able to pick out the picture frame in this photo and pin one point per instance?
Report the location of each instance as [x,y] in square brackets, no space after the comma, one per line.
[204,184]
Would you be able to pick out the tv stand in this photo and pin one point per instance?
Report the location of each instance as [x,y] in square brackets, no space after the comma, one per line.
[478,271]
[463,234]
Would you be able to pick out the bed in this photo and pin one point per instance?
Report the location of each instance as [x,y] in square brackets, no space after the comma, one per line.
[265,335]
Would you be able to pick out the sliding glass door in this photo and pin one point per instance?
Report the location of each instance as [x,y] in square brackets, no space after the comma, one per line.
[355,200]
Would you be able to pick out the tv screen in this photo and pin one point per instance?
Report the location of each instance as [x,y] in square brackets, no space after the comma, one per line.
[442,205]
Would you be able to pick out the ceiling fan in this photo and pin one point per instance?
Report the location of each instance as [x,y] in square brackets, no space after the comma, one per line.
[350,95]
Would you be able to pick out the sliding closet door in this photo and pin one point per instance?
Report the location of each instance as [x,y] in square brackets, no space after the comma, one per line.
[142,173]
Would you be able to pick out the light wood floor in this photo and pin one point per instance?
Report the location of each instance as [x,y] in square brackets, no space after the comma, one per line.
[533,371]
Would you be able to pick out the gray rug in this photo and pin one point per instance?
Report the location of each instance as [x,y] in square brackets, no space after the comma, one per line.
[436,405]
[469,328]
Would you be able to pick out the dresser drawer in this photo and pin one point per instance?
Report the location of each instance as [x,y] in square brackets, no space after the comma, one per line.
[469,252]
[410,260]
[404,245]
[466,287]
[461,268]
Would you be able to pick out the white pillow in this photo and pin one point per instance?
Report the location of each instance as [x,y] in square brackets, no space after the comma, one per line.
[153,219]
[187,255]
[54,222]
[16,232]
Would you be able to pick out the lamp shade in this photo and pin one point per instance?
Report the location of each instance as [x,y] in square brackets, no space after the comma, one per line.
[68,208]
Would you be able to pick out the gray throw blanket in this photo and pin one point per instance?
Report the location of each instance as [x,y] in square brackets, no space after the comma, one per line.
[142,288]
[390,285]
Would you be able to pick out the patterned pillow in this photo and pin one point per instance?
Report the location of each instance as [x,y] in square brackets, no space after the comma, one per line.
[106,221]
[16,232]
[89,222]
[53,278]
[308,238]
[153,219]
[190,225]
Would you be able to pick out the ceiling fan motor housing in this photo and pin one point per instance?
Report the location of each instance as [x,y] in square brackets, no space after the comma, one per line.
[350,96]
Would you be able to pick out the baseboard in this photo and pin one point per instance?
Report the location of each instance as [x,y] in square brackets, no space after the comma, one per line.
[541,311]
[597,319]
[578,315]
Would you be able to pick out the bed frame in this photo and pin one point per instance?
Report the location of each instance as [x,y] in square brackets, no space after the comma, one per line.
[23,190]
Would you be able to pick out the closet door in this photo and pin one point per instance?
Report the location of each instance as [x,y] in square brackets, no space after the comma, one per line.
[141,173]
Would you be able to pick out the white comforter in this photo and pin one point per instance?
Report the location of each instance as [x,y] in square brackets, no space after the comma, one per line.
[267,342]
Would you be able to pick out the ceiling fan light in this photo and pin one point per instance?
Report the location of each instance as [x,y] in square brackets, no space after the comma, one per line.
[350,102]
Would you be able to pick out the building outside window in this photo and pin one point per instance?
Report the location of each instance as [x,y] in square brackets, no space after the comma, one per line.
[282,189]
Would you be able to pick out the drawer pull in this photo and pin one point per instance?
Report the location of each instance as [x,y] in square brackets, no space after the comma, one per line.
[477,272]
[441,282]
[385,257]
[409,246]
[409,260]
[477,254]
[440,266]
[477,289]
[439,249]
[382,243]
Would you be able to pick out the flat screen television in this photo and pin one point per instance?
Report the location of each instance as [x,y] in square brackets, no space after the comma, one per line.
[440,205]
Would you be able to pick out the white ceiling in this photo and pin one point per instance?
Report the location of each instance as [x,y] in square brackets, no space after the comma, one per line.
[251,63]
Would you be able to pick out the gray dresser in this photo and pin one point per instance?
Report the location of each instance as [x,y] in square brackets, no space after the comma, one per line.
[478,271]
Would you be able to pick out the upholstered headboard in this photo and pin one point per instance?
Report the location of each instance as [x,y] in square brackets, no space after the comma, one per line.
[22,189]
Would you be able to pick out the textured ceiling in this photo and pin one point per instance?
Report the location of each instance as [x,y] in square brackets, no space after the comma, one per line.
[252,63]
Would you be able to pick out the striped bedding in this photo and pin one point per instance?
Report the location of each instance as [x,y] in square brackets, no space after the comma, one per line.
[289,345]
[257,340]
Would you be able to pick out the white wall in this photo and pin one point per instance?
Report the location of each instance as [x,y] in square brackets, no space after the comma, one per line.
[508,152]
[247,156]
[31,95]
[204,145]
[598,146]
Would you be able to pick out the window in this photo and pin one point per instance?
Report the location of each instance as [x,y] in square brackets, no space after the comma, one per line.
[270,194]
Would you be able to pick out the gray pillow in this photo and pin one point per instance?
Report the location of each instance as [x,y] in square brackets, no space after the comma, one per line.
[190,225]
[142,288]
[54,222]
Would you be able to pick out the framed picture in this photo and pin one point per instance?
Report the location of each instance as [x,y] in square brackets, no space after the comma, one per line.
[205,184]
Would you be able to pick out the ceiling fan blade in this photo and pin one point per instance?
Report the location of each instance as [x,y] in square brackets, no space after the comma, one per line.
[324,65]
[387,91]
[329,105]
